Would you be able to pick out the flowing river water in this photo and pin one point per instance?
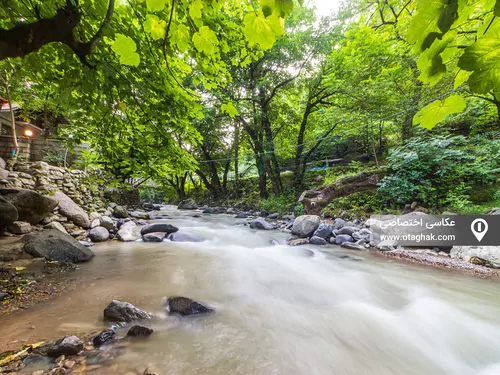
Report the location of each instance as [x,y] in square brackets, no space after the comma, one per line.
[279,309]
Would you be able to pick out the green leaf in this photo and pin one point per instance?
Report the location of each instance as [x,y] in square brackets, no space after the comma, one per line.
[281,7]
[424,27]
[483,60]
[258,30]
[205,40]
[179,35]
[155,5]
[497,8]
[155,27]
[229,109]
[430,62]
[435,112]
[195,9]
[125,48]
[461,77]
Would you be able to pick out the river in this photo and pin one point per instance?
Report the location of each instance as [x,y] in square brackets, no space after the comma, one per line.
[279,309]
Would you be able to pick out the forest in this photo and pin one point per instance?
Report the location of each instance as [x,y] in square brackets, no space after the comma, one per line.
[251,103]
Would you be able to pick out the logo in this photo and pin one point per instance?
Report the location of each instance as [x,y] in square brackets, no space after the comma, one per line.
[479,227]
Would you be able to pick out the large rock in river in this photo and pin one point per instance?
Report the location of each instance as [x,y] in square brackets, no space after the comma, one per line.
[71,210]
[261,223]
[55,245]
[31,206]
[185,306]
[129,231]
[8,212]
[305,225]
[118,311]
[187,204]
[489,253]
[183,237]
[98,234]
[159,227]
[68,345]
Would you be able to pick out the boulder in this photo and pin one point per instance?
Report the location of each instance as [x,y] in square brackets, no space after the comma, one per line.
[118,312]
[138,331]
[305,225]
[56,225]
[488,253]
[241,215]
[105,337]
[324,231]
[183,237]
[55,245]
[153,237]
[261,223]
[107,222]
[159,227]
[31,206]
[71,210]
[98,234]
[120,212]
[208,210]
[273,216]
[129,231]
[68,345]
[338,223]
[185,306]
[347,230]
[20,227]
[315,240]
[8,212]
[341,238]
[187,204]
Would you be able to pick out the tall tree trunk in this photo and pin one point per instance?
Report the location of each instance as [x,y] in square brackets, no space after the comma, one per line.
[236,162]
[299,169]
[271,160]
[407,128]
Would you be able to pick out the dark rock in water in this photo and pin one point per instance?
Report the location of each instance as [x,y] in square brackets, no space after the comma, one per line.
[185,306]
[139,331]
[315,240]
[53,244]
[208,210]
[196,216]
[261,223]
[241,215]
[68,345]
[159,227]
[352,246]
[118,311]
[273,216]
[341,238]
[323,231]
[8,212]
[183,237]
[154,237]
[30,205]
[187,204]
[105,337]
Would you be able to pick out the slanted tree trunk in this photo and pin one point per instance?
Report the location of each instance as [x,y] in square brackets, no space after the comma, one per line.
[12,120]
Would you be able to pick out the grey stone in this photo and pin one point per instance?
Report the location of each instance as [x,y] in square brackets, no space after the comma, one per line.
[3,164]
[363,234]
[153,237]
[95,223]
[488,253]
[129,231]
[94,215]
[323,231]
[185,306]
[8,212]
[341,238]
[187,204]
[71,210]
[387,245]
[31,206]
[315,240]
[68,345]
[298,241]
[273,216]
[107,223]
[347,230]
[208,210]
[98,234]
[261,223]
[55,225]
[241,215]
[493,211]
[338,223]
[20,227]
[118,311]
[159,227]
[139,215]
[52,244]
[120,212]
[352,246]
[183,237]
[305,225]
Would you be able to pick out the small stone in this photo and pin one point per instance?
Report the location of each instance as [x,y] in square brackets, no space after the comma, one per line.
[341,238]
[20,227]
[68,345]
[315,240]
[39,372]
[298,241]
[69,364]
[139,331]
[58,371]
[154,237]
[60,359]
[104,337]
[118,311]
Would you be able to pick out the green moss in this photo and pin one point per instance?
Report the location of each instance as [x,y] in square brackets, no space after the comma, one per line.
[356,205]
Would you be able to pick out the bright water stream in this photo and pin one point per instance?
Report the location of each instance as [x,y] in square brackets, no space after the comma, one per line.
[279,310]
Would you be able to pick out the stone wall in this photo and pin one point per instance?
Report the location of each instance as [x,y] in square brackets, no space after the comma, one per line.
[83,187]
